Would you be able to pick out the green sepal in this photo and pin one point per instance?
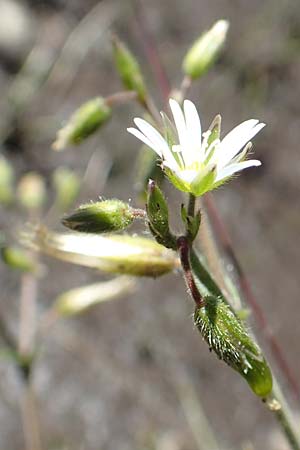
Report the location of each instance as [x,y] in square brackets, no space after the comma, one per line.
[101,217]
[228,338]
[204,182]
[176,181]
[129,69]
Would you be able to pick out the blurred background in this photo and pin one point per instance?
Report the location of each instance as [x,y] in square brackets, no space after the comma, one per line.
[134,373]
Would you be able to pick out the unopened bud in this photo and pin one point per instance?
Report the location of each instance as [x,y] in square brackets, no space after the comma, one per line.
[146,168]
[192,223]
[31,191]
[6,181]
[80,299]
[129,69]
[66,184]
[158,215]
[123,254]
[205,50]
[101,217]
[228,338]
[18,258]
[84,122]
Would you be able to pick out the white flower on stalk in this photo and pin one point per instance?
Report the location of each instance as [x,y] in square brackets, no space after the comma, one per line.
[196,162]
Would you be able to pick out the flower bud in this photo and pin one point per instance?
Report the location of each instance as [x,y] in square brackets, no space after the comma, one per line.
[123,254]
[129,69]
[84,122]
[18,258]
[80,299]
[66,184]
[227,337]
[146,168]
[192,223]
[205,50]
[158,215]
[101,217]
[31,191]
[6,181]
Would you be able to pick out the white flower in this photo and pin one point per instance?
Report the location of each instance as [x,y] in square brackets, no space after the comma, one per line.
[194,162]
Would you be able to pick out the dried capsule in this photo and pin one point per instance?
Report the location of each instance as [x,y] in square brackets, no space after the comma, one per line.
[228,338]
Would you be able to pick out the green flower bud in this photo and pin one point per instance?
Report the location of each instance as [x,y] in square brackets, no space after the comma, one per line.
[84,122]
[31,191]
[205,50]
[192,224]
[129,69]
[80,299]
[158,215]
[100,217]
[227,337]
[66,185]
[123,254]
[6,181]
[18,258]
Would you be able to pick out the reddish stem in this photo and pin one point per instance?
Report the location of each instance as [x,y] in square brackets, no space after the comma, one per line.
[184,253]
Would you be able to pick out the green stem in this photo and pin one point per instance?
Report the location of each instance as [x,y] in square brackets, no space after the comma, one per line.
[278,406]
[191,205]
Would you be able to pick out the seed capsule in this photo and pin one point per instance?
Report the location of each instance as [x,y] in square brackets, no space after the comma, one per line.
[228,338]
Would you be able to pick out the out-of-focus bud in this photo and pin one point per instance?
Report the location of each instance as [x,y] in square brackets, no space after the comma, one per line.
[228,338]
[158,215]
[80,299]
[205,50]
[67,185]
[123,254]
[31,191]
[84,122]
[6,181]
[146,168]
[101,217]
[129,69]
[18,258]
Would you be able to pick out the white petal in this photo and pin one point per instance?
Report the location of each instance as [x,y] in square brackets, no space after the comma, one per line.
[156,138]
[144,139]
[151,133]
[193,124]
[235,140]
[179,123]
[233,168]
